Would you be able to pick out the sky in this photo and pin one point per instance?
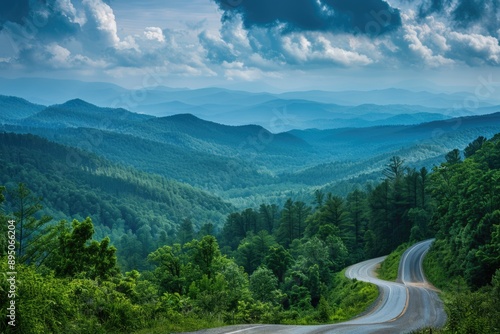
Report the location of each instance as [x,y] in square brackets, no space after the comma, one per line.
[274,45]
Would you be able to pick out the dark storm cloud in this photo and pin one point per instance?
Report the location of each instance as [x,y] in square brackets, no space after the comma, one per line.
[466,13]
[371,17]
[13,11]
[42,18]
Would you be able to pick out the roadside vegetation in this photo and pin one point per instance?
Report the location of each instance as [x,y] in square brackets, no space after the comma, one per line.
[389,268]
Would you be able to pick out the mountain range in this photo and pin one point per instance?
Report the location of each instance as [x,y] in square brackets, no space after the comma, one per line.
[277,112]
[245,164]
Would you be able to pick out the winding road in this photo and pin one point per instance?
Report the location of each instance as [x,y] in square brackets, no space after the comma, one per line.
[404,306]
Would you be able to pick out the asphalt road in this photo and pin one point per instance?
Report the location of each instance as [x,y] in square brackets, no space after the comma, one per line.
[409,304]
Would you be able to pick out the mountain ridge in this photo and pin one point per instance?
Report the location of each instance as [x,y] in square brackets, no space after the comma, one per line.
[235,161]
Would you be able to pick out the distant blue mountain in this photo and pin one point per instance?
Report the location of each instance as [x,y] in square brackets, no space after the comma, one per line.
[78,113]
[322,109]
[229,159]
[15,108]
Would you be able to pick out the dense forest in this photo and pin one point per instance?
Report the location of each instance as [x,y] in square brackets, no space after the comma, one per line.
[268,264]
[138,211]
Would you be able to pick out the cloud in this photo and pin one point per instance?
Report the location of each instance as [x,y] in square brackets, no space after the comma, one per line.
[13,11]
[57,35]
[251,39]
[101,26]
[154,33]
[465,14]
[239,71]
[474,49]
[320,50]
[217,50]
[361,16]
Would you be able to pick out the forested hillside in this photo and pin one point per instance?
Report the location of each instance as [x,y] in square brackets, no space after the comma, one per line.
[465,259]
[247,165]
[138,211]
[267,264]
[14,108]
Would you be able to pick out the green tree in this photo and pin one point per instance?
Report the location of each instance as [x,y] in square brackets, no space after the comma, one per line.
[333,213]
[474,146]
[168,273]
[35,236]
[263,285]
[288,224]
[210,295]
[467,214]
[395,169]
[453,157]
[253,250]
[357,208]
[269,215]
[380,224]
[204,254]
[233,231]
[185,232]
[278,260]
[76,254]
[324,310]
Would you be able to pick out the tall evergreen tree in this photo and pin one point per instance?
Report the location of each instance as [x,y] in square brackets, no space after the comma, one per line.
[474,146]
[185,232]
[269,215]
[35,236]
[288,224]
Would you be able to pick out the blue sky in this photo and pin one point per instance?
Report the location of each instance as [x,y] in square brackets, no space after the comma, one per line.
[254,44]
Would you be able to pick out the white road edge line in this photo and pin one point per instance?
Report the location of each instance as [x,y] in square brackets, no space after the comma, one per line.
[245,329]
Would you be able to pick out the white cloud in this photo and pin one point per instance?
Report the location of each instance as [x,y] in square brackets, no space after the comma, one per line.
[103,22]
[324,50]
[416,40]
[475,49]
[67,9]
[239,71]
[154,33]
[58,56]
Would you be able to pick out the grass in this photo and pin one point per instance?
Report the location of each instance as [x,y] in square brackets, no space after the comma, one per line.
[180,324]
[390,266]
[351,297]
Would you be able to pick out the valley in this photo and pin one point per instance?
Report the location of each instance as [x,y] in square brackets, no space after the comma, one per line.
[232,160]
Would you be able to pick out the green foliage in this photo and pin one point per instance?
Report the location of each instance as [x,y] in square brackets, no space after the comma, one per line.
[324,310]
[474,146]
[389,268]
[292,222]
[77,255]
[349,298]
[46,304]
[168,272]
[35,236]
[253,250]
[468,311]
[138,211]
[468,215]
[264,285]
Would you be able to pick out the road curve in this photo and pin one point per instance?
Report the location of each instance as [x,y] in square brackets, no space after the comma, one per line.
[404,306]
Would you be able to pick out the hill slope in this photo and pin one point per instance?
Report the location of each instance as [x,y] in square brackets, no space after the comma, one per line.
[120,200]
[14,108]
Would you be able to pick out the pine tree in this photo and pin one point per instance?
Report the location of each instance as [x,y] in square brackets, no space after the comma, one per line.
[35,236]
